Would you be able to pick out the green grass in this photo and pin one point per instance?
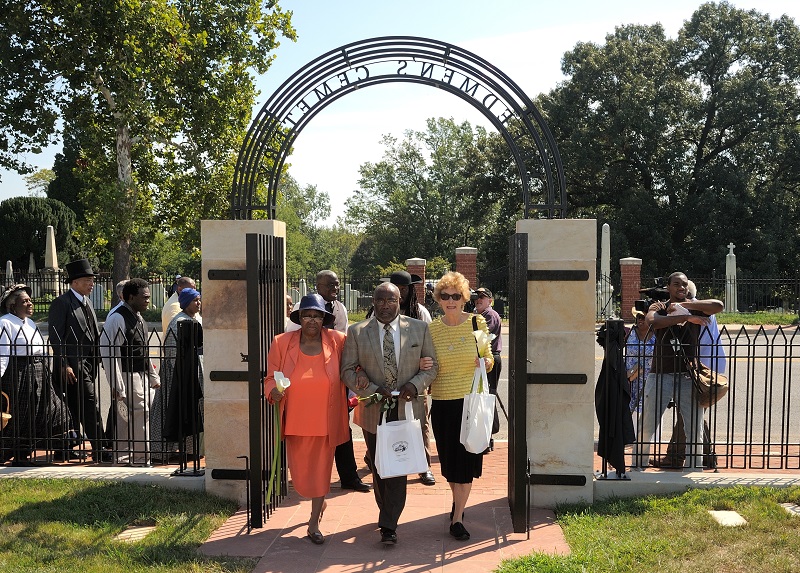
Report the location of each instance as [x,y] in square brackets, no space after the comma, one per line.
[672,534]
[761,317]
[69,526]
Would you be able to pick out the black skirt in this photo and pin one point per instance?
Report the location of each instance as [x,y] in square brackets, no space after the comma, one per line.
[38,414]
[458,465]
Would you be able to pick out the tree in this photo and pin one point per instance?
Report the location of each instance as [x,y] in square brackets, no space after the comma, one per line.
[685,145]
[160,91]
[433,191]
[23,230]
[38,182]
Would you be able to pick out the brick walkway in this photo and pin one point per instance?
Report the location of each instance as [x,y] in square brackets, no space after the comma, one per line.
[352,542]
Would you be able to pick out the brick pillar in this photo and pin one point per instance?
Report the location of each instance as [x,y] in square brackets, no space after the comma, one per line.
[631,271]
[467,264]
[417,267]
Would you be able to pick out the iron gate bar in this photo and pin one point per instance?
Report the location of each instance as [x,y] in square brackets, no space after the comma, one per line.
[227,275]
[518,488]
[253,257]
[229,375]
[557,479]
[271,137]
[546,378]
[558,275]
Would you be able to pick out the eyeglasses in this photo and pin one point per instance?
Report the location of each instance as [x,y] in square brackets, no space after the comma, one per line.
[312,318]
[329,285]
[448,296]
[383,301]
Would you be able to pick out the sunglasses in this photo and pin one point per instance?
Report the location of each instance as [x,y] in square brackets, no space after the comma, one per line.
[448,296]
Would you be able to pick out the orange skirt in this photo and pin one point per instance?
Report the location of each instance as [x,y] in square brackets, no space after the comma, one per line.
[310,461]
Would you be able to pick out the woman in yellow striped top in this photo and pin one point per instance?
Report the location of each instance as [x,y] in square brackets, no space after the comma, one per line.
[458,354]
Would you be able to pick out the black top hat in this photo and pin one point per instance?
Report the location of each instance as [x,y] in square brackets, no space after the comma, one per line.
[313,301]
[402,278]
[79,269]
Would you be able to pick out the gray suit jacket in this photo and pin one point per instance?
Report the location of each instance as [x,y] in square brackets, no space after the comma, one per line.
[363,348]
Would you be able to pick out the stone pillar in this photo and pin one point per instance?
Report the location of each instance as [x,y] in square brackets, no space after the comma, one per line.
[417,267]
[226,414]
[631,272]
[561,340]
[467,264]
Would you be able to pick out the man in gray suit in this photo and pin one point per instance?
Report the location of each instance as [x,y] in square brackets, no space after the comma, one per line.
[382,354]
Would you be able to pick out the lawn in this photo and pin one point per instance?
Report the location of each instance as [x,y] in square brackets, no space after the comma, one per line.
[672,534]
[69,526]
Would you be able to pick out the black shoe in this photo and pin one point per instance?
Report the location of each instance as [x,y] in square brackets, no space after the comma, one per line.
[388,535]
[316,537]
[457,530]
[68,455]
[103,457]
[453,510]
[357,486]
[427,478]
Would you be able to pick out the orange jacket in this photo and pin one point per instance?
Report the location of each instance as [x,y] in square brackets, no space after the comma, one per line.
[283,356]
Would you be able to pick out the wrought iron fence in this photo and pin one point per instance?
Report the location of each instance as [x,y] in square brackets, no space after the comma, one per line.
[753,294]
[46,285]
[606,305]
[754,426]
[80,401]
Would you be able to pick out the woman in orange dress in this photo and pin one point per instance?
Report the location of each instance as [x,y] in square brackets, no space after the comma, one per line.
[313,414]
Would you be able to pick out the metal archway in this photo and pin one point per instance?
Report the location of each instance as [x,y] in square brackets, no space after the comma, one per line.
[399,59]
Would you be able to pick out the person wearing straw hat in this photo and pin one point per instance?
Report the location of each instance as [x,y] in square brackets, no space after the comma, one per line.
[39,416]
[74,337]
[312,412]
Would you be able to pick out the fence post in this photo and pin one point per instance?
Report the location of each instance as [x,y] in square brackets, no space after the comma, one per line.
[631,271]
[731,292]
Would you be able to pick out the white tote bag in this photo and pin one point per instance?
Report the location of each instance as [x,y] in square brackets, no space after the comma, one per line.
[398,447]
[478,413]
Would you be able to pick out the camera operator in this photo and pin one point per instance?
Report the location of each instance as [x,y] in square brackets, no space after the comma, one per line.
[677,323]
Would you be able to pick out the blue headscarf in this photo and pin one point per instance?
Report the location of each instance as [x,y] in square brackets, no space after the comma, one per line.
[186,296]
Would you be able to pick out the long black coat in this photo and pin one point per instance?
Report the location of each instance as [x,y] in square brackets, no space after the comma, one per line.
[612,397]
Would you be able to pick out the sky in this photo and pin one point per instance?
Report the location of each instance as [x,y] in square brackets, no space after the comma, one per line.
[526,39]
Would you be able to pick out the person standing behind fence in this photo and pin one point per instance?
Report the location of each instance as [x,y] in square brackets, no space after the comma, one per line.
[126,360]
[173,306]
[74,336]
[39,415]
[327,285]
[163,405]
[483,306]
[458,353]
[677,325]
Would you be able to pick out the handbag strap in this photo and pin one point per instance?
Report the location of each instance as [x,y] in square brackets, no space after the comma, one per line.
[474,329]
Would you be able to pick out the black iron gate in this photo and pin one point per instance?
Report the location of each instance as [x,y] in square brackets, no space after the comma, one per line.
[266,309]
[518,489]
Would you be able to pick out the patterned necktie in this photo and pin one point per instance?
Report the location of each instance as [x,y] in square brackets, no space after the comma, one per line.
[90,322]
[389,359]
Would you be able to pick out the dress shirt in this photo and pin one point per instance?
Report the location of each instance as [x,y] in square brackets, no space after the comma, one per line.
[18,337]
[395,326]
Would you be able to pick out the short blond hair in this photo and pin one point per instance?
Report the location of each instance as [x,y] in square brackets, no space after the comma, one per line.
[453,280]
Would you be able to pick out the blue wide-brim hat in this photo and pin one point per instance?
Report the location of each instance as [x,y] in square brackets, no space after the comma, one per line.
[313,301]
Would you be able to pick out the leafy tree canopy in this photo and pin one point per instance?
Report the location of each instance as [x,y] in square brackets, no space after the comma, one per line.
[23,230]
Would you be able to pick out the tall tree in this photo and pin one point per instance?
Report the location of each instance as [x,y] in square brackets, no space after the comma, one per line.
[432,192]
[154,86]
[23,230]
[686,144]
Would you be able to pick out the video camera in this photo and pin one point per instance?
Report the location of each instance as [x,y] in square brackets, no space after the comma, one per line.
[655,293]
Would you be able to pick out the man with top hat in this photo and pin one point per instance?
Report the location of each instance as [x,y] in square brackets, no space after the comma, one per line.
[74,337]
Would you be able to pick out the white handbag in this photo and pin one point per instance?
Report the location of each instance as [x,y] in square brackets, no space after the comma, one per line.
[399,450]
[478,413]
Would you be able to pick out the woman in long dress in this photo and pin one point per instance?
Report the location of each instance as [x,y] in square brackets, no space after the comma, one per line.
[162,408]
[314,417]
[458,352]
[38,414]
